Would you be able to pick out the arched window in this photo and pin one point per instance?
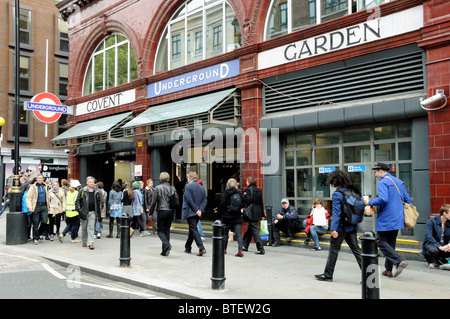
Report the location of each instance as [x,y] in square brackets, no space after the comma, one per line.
[200,29]
[113,63]
[286,16]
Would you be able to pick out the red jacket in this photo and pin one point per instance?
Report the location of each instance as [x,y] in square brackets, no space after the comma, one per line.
[309,221]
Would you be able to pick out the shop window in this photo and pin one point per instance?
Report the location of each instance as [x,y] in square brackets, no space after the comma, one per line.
[113,63]
[309,158]
[198,30]
[286,16]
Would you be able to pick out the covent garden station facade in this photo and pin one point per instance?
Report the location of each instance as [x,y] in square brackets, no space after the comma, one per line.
[283,90]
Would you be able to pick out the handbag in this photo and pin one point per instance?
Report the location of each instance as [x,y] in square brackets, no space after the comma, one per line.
[409,210]
[247,212]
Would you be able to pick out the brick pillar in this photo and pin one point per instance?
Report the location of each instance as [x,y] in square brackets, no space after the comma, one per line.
[436,43]
[143,158]
[74,166]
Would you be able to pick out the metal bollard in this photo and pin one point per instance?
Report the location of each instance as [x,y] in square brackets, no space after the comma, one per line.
[369,266]
[269,224]
[218,257]
[125,241]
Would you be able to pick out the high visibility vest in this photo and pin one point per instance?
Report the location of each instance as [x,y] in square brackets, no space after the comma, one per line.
[70,204]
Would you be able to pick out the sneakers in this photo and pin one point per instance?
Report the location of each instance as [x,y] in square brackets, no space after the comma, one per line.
[35,242]
[316,249]
[61,237]
[240,254]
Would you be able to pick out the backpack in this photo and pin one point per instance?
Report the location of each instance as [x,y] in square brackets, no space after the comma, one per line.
[352,208]
[235,205]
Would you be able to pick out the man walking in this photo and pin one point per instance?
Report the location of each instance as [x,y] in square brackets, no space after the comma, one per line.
[390,218]
[37,205]
[88,205]
[194,203]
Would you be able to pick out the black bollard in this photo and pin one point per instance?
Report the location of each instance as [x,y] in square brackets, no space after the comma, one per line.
[218,256]
[125,241]
[369,266]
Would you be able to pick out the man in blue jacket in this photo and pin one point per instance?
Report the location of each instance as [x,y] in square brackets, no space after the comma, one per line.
[194,203]
[286,220]
[436,246]
[390,218]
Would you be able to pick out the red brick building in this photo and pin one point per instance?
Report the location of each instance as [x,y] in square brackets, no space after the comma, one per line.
[307,86]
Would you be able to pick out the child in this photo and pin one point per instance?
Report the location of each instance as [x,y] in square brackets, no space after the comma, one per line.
[316,223]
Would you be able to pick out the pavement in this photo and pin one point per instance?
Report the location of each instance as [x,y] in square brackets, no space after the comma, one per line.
[285,272]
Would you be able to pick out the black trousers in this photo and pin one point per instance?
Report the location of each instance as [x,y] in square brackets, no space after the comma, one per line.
[387,241]
[335,247]
[253,231]
[193,234]
[165,218]
[40,215]
[432,254]
[288,226]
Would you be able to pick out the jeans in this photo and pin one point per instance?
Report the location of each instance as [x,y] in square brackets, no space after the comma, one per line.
[314,232]
[193,233]
[200,229]
[5,206]
[87,229]
[238,231]
[335,247]
[165,218]
[72,226]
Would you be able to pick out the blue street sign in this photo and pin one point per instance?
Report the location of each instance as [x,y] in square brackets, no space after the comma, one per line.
[357,168]
[34,106]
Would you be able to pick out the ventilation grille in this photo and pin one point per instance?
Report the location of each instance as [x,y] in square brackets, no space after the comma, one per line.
[400,74]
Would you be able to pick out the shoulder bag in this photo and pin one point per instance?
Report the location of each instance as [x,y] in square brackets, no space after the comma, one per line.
[409,210]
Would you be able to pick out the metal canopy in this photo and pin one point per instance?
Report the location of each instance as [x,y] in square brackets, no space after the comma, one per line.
[93,131]
[217,108]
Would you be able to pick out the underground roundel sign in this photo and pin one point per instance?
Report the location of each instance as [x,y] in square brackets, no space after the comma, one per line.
[46,107]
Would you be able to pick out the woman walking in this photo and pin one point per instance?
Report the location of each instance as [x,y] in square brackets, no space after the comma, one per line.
[115,208]
[230,209]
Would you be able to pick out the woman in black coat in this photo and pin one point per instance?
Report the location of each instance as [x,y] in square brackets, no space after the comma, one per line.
[230,209]
[253,196]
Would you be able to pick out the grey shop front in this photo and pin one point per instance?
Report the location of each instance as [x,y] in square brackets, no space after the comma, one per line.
[374,116]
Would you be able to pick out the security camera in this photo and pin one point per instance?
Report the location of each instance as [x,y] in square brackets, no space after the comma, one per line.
[435,98]
[67,151]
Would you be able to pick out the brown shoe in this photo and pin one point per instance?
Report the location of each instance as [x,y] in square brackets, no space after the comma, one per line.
[201,252]
[83,245]
[402,265]
[387,273]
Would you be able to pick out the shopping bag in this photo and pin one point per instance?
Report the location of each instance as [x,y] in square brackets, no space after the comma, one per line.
[263,230]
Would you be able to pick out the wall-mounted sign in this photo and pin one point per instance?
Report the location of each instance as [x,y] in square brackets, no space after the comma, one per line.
[326,169]
[357,168]
[106,102]
[368,31]
[192,79]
